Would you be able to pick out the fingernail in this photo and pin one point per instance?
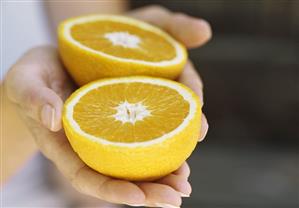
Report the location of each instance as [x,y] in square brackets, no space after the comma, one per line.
[48,116]
[204,133]
[184,195]
[166,205]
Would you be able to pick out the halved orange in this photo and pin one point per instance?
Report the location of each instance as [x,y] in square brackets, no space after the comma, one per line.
[134,128]
[98,46]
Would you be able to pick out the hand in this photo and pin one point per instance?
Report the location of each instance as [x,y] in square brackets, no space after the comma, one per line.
[38,84]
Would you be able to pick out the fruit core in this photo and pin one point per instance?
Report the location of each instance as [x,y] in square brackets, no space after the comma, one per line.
[131,112]
[123,39]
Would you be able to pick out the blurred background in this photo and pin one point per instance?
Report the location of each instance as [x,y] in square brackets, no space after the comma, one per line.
[250,157]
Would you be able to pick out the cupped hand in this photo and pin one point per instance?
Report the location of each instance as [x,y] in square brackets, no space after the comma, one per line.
[38,85]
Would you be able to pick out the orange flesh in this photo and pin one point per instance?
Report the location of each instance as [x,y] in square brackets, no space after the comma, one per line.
[152,48]
[94,112]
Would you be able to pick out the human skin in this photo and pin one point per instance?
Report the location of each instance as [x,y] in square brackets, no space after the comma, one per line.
[38,84]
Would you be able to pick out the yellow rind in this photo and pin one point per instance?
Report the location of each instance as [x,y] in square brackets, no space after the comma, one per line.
[136,163]
[85,66]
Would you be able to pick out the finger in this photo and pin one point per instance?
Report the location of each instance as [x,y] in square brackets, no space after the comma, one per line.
[204,128]
[196,31]
[191,78]
[160,195]
[92,183]
[178,182]
[184,170]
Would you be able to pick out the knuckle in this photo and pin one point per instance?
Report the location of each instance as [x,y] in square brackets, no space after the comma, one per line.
[75,179]
[179,15]
[157,8]
[77,187]
[102,187]
[77,173]
[31,96]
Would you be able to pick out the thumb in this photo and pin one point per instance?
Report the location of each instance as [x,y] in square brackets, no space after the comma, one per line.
[35,99]
[45,106]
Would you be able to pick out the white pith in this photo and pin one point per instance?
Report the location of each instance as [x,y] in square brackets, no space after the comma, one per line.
[179,51]
[131,112]
[123,39]
[181,90]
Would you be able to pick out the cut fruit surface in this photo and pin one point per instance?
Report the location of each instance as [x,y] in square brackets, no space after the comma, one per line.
[136,128]
[123,41]
[122,112]
[109,46]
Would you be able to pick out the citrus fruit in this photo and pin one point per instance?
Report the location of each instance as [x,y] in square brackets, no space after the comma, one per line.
[133,128]
[98,46]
